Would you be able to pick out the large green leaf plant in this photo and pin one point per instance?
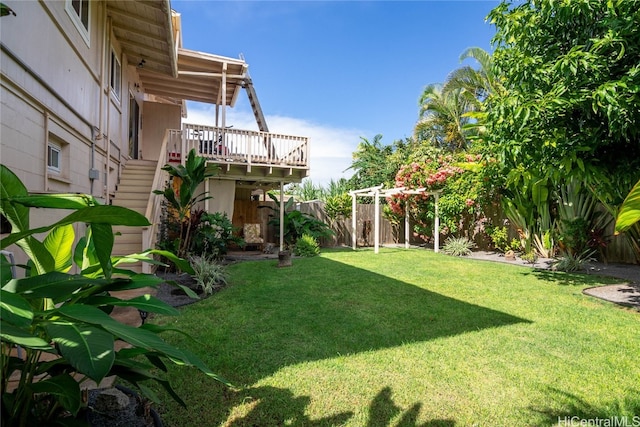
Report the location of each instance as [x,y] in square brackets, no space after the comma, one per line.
[65,315]
[296,223]
[183,199]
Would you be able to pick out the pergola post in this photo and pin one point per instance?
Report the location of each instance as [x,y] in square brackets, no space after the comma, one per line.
[281,216]
[436,226]
[376,238]
[406,225]
[354,222]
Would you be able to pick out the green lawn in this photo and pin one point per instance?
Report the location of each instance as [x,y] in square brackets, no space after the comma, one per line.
[405,338]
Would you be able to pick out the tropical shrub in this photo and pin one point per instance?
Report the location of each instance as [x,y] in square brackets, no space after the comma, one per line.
[338,207]
[574,261]
[181,197]
[208,273]
[499,238]
[213,235]
[296,223]
[66,315]
[306,246]
[630,210]
[458,246]
[530,257]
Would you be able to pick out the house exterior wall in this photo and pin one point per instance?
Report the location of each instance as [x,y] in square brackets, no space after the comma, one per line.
[156,118]
[55,89]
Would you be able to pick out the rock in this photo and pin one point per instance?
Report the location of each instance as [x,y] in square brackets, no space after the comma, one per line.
[111,400]
[269,248]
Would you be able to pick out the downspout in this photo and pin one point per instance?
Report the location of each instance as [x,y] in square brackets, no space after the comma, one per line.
[46,151]
[108,99]
[98,135]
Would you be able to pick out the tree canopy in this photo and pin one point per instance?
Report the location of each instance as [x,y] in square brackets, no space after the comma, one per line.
[571,70]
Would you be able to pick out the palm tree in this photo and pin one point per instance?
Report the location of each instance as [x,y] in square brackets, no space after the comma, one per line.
[478,84]
[475,89]
[371,163]
[443,117]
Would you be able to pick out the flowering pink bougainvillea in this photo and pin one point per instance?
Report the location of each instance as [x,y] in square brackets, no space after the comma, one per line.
[460,197]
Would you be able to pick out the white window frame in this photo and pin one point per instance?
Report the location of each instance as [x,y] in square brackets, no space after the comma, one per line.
[77,18]
[51,165]
[115,74]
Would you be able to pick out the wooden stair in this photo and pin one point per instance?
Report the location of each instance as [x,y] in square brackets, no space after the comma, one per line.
[133,192]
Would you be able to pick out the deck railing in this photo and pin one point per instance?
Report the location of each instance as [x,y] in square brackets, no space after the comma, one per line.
[241,146]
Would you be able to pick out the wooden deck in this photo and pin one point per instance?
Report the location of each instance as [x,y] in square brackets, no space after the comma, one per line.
[244,154]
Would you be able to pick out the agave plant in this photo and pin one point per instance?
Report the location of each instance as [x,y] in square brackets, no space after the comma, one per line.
[61,308]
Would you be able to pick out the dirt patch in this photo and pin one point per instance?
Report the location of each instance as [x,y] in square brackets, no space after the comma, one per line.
[174,295]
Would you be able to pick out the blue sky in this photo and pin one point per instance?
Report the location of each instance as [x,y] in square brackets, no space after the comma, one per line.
[335,70]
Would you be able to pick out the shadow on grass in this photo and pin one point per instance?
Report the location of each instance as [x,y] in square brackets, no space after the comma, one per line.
[383,410]
[321,309]
[574,410]
[572,279]
[271,406]
[272,318]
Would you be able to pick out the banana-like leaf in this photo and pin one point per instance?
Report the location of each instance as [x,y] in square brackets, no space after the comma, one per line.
[102,235]
[57,201]
[137,375]
[135,336]
[180,263]
[113,215]
[55,285]
[89,349]
[59,244]
[64,388]
[142,302]
[18,217]
[23,338]
[159,328]
[195,361]
[630,211]
[130,353]
[14,309]
[540,192]
[135,281]
[11,186]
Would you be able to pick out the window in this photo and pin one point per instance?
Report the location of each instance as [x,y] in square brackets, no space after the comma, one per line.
[78,10]
[116,74]
[53,157]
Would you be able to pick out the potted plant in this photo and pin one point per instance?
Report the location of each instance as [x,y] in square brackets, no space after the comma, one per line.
[295,225]
[66,315]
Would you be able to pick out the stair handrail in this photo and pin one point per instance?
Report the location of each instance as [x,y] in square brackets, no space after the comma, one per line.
[153,211]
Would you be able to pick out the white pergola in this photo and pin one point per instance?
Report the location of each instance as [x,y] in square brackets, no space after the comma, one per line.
[376,193]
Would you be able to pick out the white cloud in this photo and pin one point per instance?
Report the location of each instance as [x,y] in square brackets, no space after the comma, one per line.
[331,148]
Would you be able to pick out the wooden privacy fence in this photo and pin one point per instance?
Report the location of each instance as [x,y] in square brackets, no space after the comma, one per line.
[389,234]
[618,249]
